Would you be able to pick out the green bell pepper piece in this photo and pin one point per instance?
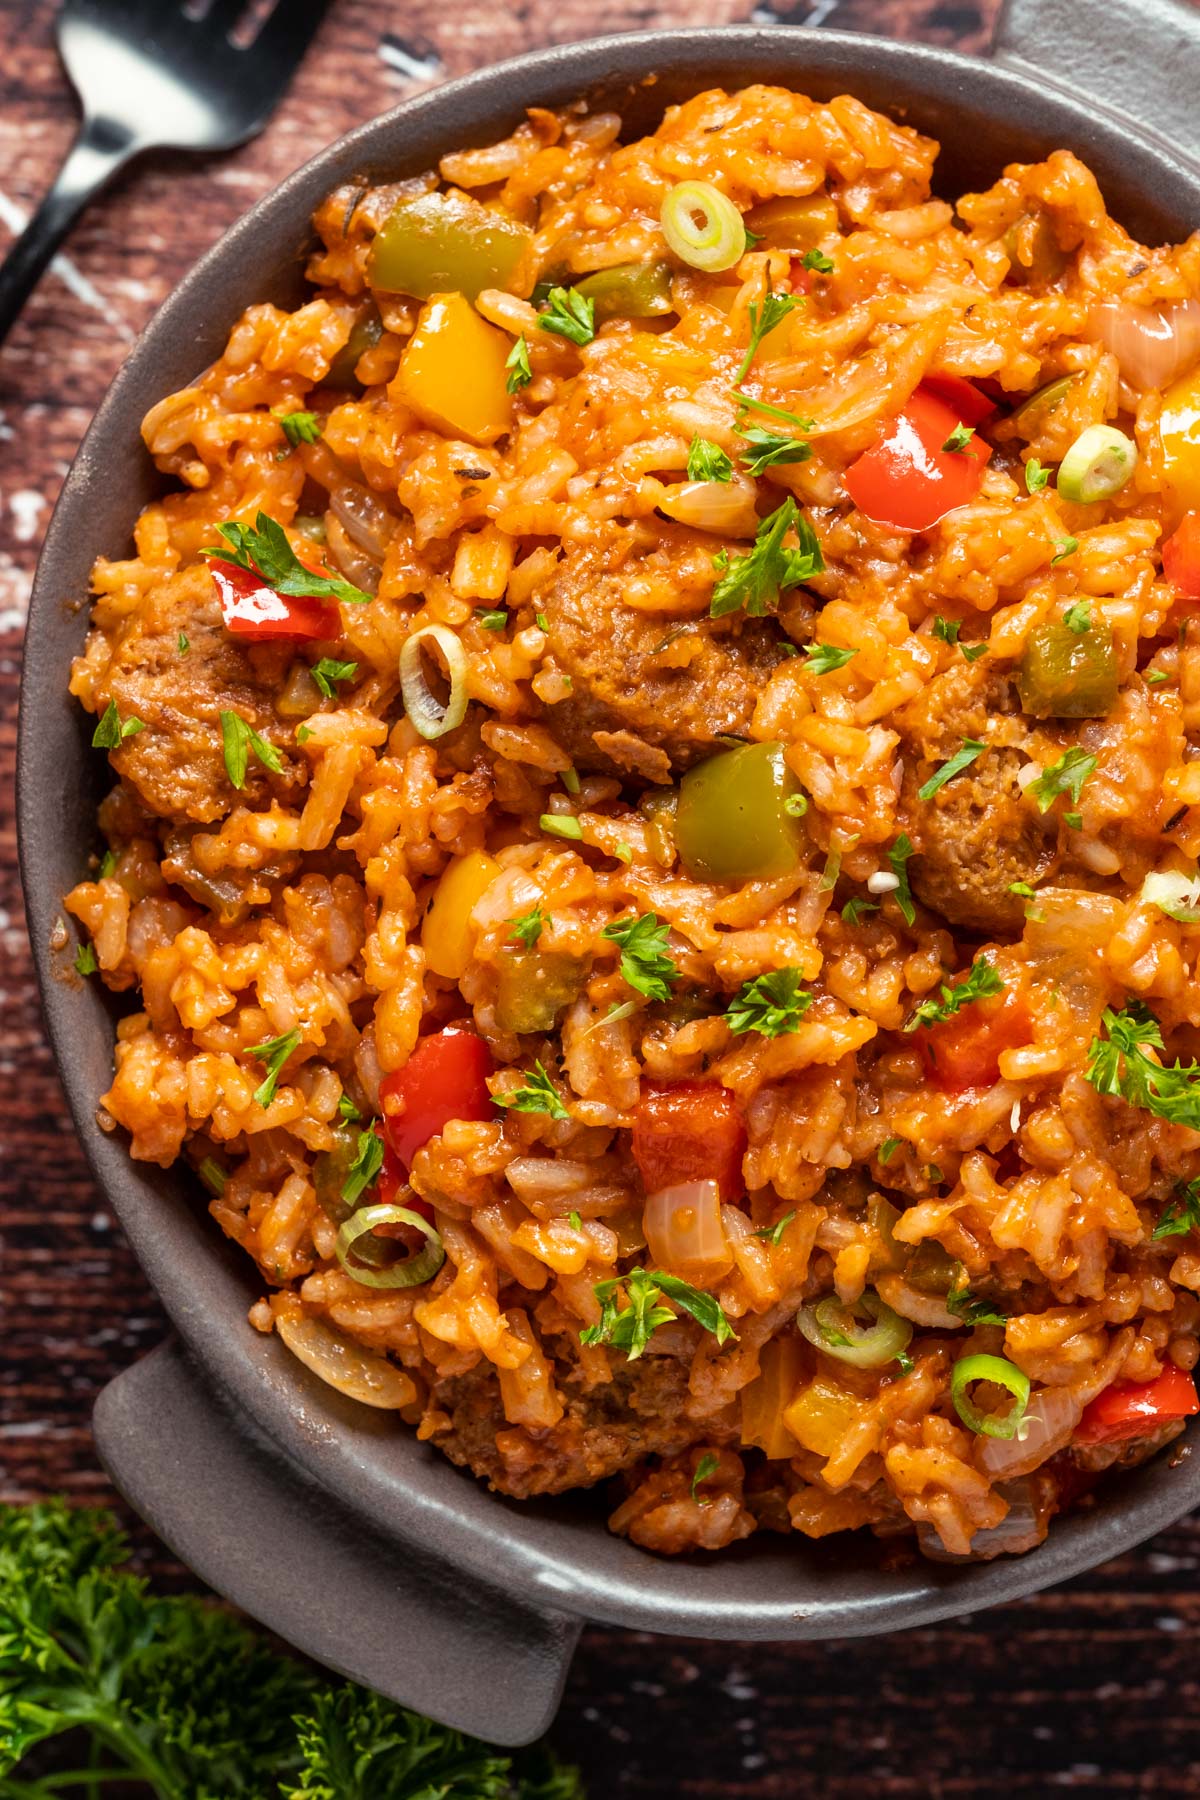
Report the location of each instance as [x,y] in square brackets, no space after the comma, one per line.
[533,987]
[1064,674]
[445,244]
[628,291]
[732,822]
[365,333]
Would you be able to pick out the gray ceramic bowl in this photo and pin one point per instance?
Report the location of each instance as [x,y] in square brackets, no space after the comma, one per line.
[320,1517]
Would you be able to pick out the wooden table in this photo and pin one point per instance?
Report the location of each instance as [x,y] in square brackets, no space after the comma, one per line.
[1088,1689]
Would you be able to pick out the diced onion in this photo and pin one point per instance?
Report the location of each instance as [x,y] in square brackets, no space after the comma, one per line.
[365,517]
[1097,465]
[1152,344]
[1001,1373]
[430,717]
[836,1330]
[1048,1423]
[1021,1529]
[345,1365]
[703,226]
[726,507]
[1174,893]
[684,1230]
[418,1269]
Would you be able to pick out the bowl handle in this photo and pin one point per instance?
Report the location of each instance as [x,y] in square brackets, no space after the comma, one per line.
[1129,55]
[267,1538]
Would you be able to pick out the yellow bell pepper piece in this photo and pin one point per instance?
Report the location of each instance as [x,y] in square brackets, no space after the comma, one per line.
[821,1415]
[780,1371]
[1179,427]
[446,934]
[452,373]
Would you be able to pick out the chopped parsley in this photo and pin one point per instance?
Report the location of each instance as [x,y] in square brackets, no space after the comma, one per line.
[492,618]
[959,438]
[898,857]
[538,1094]
[981,981]
[327,671]
[645,965]
[238,739]
[764,316]
[1155,676]
[856,910]
[183,643]
[527,929]
[905,1362]
[300,428]
[1078,618]
[112,730]
[707,461]
[1036,477]
[543,624]
[574,1221]
[773,1234]
[1066,776]
[824,657]
[108,863]
[753,583]
[1023,889]
[1181,1214]
[973,652]
[772,1004]
[368,1160]
[1063,548]
[348,1111]
[264,550]
[946,629]
[963,1304]
[888,1149]
[768,449]
[273,1054]
[85,960]
[962,759]
[561,825]
[520,373]
[708,1465]
[629,1328]
[1120,1064]
[818,261]
[569,314]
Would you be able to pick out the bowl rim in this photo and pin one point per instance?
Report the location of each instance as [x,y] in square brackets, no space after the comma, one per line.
[658,1593]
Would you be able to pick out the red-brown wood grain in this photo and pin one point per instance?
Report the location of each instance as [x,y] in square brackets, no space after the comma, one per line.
[1090,1689]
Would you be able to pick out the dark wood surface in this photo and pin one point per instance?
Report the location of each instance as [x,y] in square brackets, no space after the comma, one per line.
[1090,1689]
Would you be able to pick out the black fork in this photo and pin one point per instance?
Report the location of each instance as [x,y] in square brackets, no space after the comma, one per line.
[154,74]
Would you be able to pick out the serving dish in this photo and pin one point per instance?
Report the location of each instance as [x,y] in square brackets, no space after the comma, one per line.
[351,1541]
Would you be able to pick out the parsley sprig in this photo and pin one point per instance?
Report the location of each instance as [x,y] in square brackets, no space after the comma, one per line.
[753,583]
[645,965]
[527,927]
[300,428]
[707,461]
[898,857]
[112,730]
[537,1094]
[273,1054]
[264,550]
[238,739]
[822,658]
[963,757]
[631,1326]
[368,1160]
[569,314]
[771,1004]
[328,671]
[1181,1214]
[764,316]
[1066,776]
[1121,1065]
[982,980]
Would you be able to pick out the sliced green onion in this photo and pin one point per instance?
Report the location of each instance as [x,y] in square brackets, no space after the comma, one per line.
[703,226]
[837,1330]
[1097,465]
[418,1269]
[428,714]
[1174,893]
[1001,1373]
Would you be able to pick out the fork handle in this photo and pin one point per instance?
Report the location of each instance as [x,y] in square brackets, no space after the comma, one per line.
[100,149]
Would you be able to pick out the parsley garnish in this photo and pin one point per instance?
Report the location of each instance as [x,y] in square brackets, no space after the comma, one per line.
[973,652]
[981,981]
[768,449]
[348,1111]
[492,618]
[817,259]
[898,857]
[520,373]
[772,1004]
[1023,889]
[765,316]
[963,1304]
[749,403]
[569,314]
[368,1160]
[645,965]
[708,1465]
[327,671]
[753,583]
[85,960]
[300,428]
[1181,1214]
[629,1328]
[1156,676]
[946,629]
[112,731]
[238,739]
[182,643]
[905,1362]
[1078,618]
[528,928]
[959,438]
[265,550]
[962,759]
[707,461]
[856,910]
[274,1053]
[824,657]
[1066,776]
[538,1094]
[1120,1065]
[1036,476]
[1063,548]
[888,1149]
[773,1234]
[108,863]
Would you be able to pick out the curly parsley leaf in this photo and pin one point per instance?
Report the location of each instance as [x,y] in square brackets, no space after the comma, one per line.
[520,371]
[753,583]
[238,739]
[527,928]
[569,314]
[537,1094]
[112,730]
[264,550]
[962,759]
[328,670]
[1121,1065]
[1181,1214]
[707,461]
[273,1054]
[772,1004]
[300,428]
[645,965]
[631,1326]
[1066,776]
[981,982]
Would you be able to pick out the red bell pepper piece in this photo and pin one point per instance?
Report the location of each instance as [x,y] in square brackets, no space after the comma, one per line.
[445,1078]
[1181,558]
[689,1131]
[964,1051]
[1136,1409]
[253,610]
[969,403]
[907,481]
